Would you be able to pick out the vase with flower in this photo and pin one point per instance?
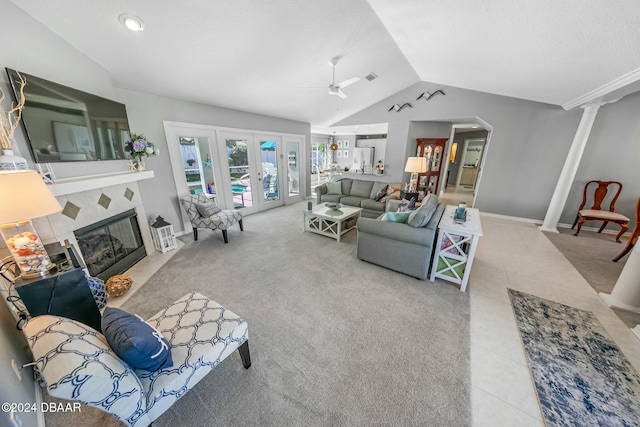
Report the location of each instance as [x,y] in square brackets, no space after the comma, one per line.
[8,123]
[139,148]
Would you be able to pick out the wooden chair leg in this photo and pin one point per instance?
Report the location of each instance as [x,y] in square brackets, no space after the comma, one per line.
[625,251]
[224,234]
[244,354]
[604,224]
[580,222]
[241,227]
[575,222]
[623,229]
[195,233]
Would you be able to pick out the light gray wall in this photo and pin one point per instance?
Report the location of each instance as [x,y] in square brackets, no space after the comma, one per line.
[526,150]
[612,154]
[146,115]
[459,138]
[423,129]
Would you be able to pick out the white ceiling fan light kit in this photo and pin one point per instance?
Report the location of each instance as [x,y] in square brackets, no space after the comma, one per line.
[336,89]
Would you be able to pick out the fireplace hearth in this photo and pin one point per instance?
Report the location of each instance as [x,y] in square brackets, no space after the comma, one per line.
[111,246]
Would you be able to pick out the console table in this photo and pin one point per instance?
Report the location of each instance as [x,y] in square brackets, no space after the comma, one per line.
[456,246]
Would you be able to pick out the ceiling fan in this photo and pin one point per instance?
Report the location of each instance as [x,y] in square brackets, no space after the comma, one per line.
[336,89]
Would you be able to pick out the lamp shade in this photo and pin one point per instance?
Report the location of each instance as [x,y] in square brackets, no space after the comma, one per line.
[416,165]
[24,196]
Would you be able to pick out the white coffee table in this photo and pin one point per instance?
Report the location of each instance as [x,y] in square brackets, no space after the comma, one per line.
[329,222]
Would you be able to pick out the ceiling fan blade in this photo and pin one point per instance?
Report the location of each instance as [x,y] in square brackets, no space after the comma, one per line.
[348,82]
[341,94]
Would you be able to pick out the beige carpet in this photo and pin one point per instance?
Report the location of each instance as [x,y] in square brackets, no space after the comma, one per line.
[591,254]
[334,340]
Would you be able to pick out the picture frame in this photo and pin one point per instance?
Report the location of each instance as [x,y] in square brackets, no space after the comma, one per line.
[345,154]
[346,144]
[340,144]
[339,154]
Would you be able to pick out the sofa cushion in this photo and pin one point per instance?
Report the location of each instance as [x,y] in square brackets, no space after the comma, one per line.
[332,198]
[372,205]
[135,341]
[334,188]
[361,188]
[346,185]
[421,216]
[352,201]
[207,209]
[401,217]
[378,191]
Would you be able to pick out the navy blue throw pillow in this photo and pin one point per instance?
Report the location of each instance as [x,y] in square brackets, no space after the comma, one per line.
[135,341]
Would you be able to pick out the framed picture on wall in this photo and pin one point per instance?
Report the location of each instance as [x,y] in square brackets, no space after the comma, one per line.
[346,144]
[339,154]
[345,154]
[340,144]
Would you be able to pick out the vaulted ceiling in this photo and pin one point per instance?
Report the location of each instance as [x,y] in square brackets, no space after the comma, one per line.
[272,57]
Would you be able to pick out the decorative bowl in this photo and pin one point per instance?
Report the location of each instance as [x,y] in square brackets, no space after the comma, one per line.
[332,205]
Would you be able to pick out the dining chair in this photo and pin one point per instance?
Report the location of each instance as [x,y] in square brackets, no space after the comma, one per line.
[633,239]
[596,213]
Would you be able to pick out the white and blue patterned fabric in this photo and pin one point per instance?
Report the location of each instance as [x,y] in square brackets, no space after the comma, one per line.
[98,290]
[219,221]
[77,364]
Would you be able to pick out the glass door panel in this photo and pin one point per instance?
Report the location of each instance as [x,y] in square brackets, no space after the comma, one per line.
[269,155]
[242,180]
[197,165]
[293,168]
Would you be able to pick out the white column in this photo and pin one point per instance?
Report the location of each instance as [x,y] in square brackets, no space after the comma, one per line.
[626,292]
[569,169]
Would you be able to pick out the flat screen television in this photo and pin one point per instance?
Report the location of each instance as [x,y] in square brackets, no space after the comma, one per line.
[63,124]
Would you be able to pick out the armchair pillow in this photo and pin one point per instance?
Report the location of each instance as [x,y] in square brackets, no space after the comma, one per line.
[207,209]
[421,216]
[401,217]
[135,341]
[334,188]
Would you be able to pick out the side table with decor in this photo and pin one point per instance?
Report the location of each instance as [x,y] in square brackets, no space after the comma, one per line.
[456,246]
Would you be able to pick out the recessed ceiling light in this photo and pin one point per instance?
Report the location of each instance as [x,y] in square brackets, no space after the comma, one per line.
[131,22]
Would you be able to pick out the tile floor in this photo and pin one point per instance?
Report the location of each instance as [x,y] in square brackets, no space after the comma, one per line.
[517,255]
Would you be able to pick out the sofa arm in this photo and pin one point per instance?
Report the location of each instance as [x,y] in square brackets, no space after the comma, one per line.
[320,190]
[396,231]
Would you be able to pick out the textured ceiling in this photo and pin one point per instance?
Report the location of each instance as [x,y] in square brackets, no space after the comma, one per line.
[271,57]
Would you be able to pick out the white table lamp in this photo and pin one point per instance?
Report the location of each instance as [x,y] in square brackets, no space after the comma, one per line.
[415,165]
[24,196]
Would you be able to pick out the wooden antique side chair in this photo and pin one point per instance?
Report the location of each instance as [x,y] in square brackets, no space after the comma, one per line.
[633,239]
[595,213]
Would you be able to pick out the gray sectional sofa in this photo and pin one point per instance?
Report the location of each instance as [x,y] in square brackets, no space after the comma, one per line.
[400,246]
[359,193]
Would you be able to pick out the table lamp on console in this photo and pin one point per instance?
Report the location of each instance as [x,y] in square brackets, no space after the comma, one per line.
[24,196]
[415,165]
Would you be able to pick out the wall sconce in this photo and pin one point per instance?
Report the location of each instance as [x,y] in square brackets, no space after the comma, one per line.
[454,150]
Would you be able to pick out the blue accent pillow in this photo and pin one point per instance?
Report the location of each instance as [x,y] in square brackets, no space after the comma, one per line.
[137,343]
[401,217]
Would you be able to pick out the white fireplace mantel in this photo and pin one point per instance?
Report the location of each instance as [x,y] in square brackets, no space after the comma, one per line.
[62,187]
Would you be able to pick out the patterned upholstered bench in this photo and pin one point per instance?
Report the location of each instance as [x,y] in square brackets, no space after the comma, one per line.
[77,363]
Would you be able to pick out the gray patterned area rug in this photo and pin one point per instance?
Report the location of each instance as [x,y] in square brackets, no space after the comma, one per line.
[581,376]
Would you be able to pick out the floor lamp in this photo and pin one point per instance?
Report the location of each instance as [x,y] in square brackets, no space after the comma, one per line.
[415,165]
[25,196]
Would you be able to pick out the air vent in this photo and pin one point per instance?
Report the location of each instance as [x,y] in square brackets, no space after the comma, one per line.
[371,76]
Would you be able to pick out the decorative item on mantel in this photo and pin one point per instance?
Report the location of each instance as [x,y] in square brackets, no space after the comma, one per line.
[8,123]
[164,239]
[380,168]
[139,148]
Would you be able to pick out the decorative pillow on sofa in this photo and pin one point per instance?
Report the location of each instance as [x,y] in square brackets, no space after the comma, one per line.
[421,216]
[390,191]
[401,217]
[135,341]
[207,209]
[381,193]
[334,188]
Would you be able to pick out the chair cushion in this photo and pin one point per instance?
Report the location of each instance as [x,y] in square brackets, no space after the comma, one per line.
[401,217]
[207,209]
[135,341]
[606,215]
[334,188]
[421,216]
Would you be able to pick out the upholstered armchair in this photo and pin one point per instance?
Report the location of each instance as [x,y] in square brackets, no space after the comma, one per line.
[76,362]
[203,213]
